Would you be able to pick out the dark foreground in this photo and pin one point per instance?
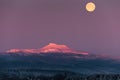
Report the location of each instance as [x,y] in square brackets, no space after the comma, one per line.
[60,76]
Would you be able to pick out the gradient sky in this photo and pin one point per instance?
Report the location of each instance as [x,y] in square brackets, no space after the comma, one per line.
[35,23]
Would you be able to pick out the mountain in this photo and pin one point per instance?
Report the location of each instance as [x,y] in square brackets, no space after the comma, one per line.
[58,57]
[50,48]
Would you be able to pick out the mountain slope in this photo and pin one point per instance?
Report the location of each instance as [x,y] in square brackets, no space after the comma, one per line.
[53,61]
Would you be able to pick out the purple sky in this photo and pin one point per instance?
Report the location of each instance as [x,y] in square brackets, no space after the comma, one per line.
[35,23]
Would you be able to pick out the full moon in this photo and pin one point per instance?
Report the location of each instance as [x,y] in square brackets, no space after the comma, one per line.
[90,7]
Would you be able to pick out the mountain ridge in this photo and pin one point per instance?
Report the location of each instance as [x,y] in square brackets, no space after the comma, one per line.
[50,48]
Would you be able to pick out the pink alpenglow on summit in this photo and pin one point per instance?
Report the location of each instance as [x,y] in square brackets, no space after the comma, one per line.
[50,48]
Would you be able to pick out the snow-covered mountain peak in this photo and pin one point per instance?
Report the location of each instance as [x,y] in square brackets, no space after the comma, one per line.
[55,46]
[50,48]
[58,48]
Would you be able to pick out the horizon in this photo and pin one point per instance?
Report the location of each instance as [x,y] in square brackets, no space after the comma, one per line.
[49,45]
[56,47]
